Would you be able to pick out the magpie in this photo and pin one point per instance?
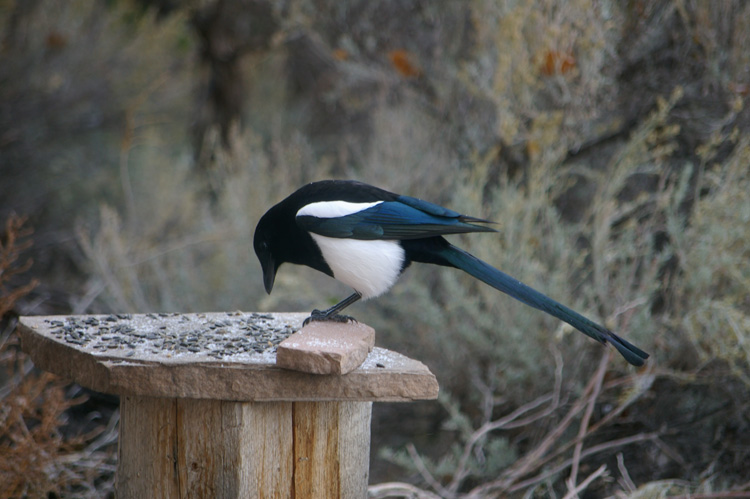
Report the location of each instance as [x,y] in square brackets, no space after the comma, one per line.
[366,237]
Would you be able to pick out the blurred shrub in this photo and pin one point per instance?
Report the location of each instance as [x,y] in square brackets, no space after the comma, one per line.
[76,78]
[711,242]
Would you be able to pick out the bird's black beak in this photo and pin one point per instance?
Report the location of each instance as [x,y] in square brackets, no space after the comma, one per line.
[269,273]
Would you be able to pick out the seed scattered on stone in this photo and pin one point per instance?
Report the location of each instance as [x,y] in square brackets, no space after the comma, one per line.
[169,335]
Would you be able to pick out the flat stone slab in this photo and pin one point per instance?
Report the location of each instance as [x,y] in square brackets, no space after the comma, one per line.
[326,348]
[219,356]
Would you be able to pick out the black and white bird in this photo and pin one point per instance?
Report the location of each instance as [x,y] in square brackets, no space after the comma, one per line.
[366,237]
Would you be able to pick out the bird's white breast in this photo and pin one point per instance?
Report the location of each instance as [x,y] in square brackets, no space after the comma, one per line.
[370,267]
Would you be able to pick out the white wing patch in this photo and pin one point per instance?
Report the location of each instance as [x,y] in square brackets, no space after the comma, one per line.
[370,267]
[333,209]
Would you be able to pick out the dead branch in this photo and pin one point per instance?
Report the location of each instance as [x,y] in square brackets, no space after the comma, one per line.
[573,493]
[583,427]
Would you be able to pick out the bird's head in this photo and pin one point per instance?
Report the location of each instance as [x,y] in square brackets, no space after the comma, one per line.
[264,243]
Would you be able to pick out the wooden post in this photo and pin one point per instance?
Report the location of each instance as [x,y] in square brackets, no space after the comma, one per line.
[205,412]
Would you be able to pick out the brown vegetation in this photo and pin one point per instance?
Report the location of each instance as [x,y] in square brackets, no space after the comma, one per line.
[39,455]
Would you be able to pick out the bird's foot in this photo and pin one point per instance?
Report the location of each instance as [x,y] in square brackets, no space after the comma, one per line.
[322,316]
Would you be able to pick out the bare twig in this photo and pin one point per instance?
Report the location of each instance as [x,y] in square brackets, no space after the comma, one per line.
[642,382]
[612,444]
[533,460]
[487,391]
[503,485]
[556,402]
[611,415]
[625,480]
[398,489]
[583,427]
[713,495]
[426,475]
[573,493]
[669,451]
[509,421]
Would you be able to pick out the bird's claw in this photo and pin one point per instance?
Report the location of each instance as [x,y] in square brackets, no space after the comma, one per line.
[321,316]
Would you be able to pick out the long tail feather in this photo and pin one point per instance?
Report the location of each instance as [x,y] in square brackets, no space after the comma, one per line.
[518,290]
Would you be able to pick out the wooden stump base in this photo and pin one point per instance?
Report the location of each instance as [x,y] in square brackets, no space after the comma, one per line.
[207,448]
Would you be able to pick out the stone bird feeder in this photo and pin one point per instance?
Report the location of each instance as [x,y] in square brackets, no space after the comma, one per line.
[233,405]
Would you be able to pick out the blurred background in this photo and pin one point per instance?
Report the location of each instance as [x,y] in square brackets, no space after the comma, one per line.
[140,142]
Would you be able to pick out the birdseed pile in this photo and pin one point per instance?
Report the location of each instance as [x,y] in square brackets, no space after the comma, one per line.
[232,336]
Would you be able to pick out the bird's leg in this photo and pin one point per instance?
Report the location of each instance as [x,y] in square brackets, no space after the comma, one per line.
[332,314]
